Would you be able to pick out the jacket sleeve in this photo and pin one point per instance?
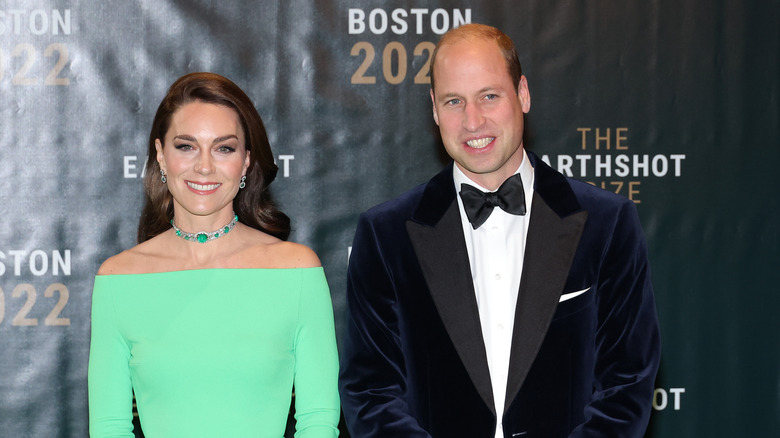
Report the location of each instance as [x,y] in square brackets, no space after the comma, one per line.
[373,375]
[109,385]
[628,346]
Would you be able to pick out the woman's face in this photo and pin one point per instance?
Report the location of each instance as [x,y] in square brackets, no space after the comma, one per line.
[203,156]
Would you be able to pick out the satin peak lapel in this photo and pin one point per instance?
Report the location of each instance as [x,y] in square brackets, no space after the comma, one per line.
[441,250]
[550,247]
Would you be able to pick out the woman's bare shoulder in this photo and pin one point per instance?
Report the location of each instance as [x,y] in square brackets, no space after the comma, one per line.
[296,255]
[271,252]
[140,259]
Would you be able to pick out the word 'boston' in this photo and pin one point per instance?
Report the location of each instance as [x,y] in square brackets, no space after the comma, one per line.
[439,20]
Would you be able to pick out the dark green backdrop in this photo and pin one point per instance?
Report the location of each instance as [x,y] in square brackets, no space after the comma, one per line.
[674,104]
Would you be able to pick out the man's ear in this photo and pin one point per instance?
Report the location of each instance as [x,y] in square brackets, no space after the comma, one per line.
[433,104]
[524,95]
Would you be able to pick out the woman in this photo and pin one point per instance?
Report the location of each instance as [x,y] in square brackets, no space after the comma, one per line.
[211,329]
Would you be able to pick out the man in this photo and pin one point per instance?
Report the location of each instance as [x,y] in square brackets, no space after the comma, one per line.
[466,320]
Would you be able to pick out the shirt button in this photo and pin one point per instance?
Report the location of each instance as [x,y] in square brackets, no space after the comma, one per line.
[501,326]
[498,277]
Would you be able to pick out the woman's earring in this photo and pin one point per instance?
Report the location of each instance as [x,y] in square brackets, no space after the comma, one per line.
[162,176]
[242,184]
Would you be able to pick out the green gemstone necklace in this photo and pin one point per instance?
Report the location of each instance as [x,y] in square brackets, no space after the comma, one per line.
[202,236]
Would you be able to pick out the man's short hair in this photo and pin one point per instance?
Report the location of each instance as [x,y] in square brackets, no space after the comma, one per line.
[482,31]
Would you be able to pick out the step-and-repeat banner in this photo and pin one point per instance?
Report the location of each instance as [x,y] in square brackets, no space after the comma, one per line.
[671,104]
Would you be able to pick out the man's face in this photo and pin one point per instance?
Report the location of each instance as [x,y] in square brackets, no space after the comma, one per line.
[480,116]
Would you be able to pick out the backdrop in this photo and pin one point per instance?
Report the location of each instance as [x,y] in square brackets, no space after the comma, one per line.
[673,104]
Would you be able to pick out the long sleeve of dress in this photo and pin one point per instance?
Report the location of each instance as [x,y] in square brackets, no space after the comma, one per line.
[316,361]
[110,387]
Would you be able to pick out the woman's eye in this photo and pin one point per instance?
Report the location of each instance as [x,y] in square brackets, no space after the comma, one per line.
[226,149]
[183,147]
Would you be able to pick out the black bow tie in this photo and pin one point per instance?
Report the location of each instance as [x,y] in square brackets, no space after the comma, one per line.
[510,197]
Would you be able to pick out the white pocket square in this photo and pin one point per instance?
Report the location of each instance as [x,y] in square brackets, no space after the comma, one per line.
[571,295]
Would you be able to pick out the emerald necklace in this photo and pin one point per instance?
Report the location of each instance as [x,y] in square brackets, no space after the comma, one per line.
[202,236]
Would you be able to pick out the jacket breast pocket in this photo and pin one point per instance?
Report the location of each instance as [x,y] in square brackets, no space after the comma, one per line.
[572,302]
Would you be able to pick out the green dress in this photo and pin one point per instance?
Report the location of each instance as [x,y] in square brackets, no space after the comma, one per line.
[213,353]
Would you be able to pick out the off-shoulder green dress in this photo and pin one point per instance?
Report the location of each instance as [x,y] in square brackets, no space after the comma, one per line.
[213,353]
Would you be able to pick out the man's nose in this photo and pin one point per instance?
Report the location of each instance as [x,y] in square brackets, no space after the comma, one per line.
[472,117]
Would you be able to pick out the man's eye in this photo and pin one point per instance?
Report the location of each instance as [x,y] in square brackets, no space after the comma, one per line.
[453,102]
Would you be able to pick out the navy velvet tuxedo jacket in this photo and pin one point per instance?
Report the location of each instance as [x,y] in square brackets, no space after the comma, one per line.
[413,357]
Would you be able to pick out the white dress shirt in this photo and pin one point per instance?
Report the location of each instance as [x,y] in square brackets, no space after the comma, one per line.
[496,251]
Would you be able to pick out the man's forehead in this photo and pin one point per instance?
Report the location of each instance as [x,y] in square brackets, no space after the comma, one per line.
[464,50]
[467,41]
